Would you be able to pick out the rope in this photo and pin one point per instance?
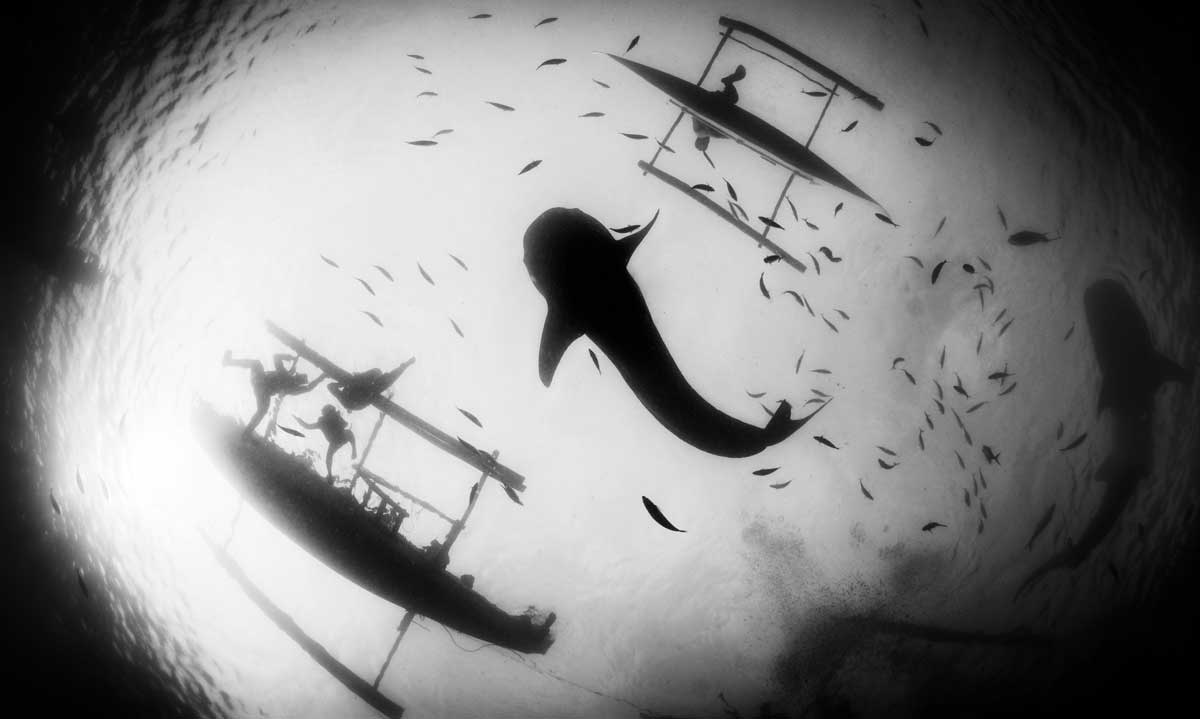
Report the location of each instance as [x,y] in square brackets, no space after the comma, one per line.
[806,76]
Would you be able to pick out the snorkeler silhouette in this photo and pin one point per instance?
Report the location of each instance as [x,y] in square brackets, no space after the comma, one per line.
[337,432]
[704,131]
[281,381]
[362,387]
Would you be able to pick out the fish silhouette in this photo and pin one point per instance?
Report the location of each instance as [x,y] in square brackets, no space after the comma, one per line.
[581,271]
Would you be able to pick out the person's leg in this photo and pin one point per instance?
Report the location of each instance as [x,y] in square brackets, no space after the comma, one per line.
[329,461]
[264,403]
[253,365]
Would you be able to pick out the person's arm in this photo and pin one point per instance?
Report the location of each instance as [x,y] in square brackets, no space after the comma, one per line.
[306,425]
[311,385]
[353,446]
[280,359]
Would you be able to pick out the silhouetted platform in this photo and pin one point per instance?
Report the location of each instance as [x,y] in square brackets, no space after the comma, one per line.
[331,525]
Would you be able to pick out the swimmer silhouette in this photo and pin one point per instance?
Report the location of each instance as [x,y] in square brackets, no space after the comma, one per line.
[581,271]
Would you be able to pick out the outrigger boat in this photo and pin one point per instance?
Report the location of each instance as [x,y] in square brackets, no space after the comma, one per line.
[355,531]
[751,131]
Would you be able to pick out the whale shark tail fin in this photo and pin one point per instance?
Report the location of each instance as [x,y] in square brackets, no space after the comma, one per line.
[782,425]
[630,244]
[557,336]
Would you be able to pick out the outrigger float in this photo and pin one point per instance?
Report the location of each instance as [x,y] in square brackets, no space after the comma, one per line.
[751,131]
[355,531]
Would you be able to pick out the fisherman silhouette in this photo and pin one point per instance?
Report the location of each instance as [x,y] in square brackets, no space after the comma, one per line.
[337,432]
[363,387]
[704,131]
[281,381]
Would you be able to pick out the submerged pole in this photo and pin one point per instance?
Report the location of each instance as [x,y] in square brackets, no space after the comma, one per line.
[704,75]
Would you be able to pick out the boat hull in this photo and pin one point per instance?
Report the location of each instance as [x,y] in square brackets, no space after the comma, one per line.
[331,526]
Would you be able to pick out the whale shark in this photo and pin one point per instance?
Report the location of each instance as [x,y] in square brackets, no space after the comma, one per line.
[1131,372]
[582,272]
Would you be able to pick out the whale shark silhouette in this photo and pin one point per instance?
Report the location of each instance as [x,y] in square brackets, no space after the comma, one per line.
[581,271]
[1132,371]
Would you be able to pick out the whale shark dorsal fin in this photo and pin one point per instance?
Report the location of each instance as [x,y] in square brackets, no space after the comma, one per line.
[557,335]
[630,244]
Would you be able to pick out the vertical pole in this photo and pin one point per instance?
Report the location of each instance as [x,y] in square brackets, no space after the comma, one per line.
[270,432]
[811,135]
[451,536]
[828,100]
[786,186]
[724,36]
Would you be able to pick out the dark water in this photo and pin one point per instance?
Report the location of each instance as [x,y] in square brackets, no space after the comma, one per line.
[123,289]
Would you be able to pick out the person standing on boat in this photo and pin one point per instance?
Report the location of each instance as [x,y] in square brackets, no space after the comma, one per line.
[363,387]
[280,381]
[704,131]
[337,432]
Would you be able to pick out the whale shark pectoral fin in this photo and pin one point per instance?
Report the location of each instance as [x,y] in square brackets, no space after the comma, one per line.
[557,335]
[630,244]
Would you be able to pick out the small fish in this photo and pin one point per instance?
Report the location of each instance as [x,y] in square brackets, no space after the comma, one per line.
[781,485]
[329,262]
[983,509]
[703,187]
[633,43]
[425,274]
[770,223]
[929,527]
[961,463]
[474,420]
[82,584]
[828,254]
[980,308]
[822,371]
[885,450]
[1003,222]
[1008,389]
[836,209]
[976,406]
[980,530]
[936,129]
[966,497]
[850,127]
[460,262]
[983,262]
[942,365]
[427,93]
[924,27]
[373,316]
[765,471]
[529,167]
[385,273]
[366,286]
[816,265]
[831,326]
[958,386]
[793,293]
[912,380]
[54,504]
[551,62]
[635,136]
[762,286]
[939,227]
[982,480]
[729,188]
[885,219]
[1000,316]
[547,21]
[990,455]
[811,401]
[480,16]
[755,395]
[594,113]
[885,465]
[1059,433]
[424,70]
[937,270]
[456,328]
[1041,526]
[771,259]
[921,438]
[289,430]
[940,406]
[929,421]
[864,490]
[815,93]
[624,230]
[968,268]
[1025,238]
[957,418]
[1004,327]
[416,57]
[923,141]
[595,360]
[825,442]
[843,314]
[916,260]
[439,133]
[1074,443]
[512,495]
[937,385]
[897,361]
[423,143]
[604,85]
[1070,332]
[500,106]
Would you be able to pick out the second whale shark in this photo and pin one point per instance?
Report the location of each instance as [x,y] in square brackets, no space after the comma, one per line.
[581,270]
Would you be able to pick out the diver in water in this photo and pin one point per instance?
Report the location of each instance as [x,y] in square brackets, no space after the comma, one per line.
[362,387]
[280,381]
[337,432]
[704,131]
